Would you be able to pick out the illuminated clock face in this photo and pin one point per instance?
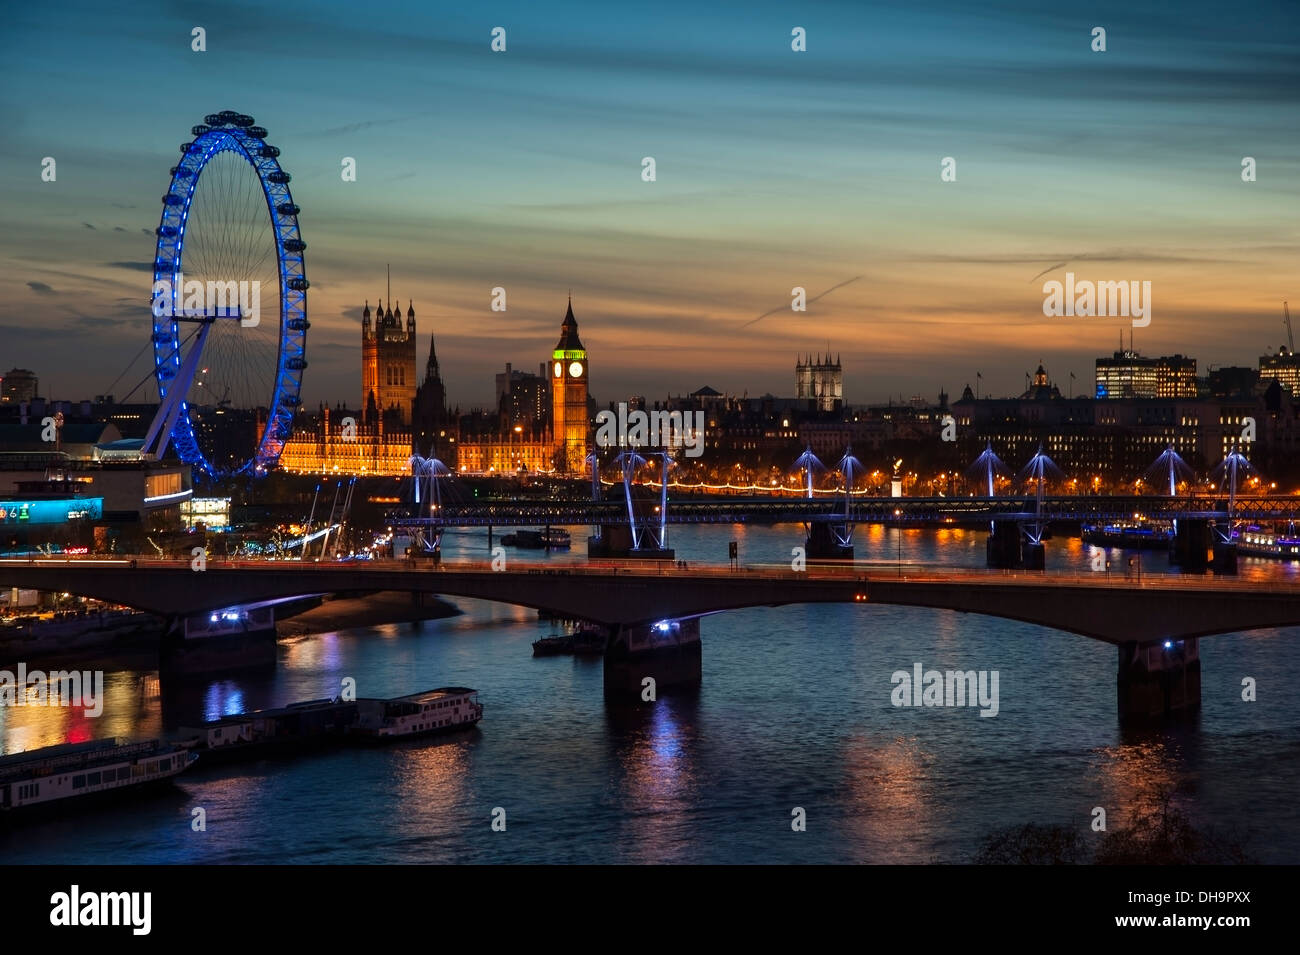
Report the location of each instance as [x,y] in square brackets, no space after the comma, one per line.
[559,369]
[575,370]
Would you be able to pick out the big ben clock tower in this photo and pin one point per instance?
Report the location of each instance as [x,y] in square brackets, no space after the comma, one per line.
[569,397]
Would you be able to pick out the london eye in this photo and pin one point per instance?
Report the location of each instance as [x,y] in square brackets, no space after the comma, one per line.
[229,301]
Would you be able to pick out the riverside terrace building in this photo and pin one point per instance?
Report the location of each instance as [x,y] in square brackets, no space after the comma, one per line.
[1118,439]
[489,446]
[343,442]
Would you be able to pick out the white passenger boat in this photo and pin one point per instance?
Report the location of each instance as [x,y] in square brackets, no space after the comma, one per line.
[443,710]
[56,776]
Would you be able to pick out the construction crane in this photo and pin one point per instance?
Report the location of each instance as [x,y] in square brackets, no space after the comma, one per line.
[1286,320]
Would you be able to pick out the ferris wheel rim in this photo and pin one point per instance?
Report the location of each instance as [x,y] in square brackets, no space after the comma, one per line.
[235,133]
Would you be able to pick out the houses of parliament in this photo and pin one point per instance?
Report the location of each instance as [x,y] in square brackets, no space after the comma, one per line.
[398,417]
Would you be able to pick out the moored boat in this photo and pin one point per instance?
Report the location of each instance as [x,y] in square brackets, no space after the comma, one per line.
[1129,535]
[298,726]
[58,776]
[553,538]
[552,646]
[315,724]
[1258,542]
[443,710]
[589,641]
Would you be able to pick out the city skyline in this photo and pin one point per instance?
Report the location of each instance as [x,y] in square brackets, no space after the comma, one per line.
[818,169]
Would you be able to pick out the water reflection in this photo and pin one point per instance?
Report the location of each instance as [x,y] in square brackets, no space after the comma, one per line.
[654,748]
[892,792]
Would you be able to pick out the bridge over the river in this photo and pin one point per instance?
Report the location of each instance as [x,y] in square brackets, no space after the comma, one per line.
[652,609]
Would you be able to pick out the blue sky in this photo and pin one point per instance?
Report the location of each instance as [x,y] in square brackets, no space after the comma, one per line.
[774,169]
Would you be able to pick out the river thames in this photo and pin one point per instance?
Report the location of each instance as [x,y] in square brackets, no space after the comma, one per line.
[794,712]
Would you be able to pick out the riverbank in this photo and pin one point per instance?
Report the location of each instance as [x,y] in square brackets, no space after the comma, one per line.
[125,638]
[341,613]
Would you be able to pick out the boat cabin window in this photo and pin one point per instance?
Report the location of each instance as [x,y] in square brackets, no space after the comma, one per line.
[78,782]
[92,779]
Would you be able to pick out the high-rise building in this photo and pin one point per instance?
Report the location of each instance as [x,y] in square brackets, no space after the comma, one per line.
[388,363]
[1284,368]
[1176,377]
[1127,375]
[17,385]
[821,382]
[523,398]
[1232,381]
[570,423]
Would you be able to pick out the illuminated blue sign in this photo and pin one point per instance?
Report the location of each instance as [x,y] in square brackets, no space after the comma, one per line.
[59,511]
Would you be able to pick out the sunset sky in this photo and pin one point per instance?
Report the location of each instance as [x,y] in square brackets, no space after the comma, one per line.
[775,169]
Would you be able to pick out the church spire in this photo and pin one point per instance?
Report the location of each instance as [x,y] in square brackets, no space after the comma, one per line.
[431,369]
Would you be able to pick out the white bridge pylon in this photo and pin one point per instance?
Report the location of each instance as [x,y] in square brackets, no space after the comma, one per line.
[656,530]
[849,467]
[426,491]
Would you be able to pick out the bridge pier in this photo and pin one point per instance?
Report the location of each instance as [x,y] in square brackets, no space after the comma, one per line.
[668,652]
[1158,680]
[1190,545]
[615,540]
[1225,558]
[1034,556]
[236,639]
[821,544]
[1002,547]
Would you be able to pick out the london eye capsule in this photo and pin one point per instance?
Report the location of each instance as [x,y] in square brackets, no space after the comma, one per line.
[227,117]
[243,120]
[294,245]
[268,152]
[212,119]
[257,132]
[287,209]
[200,130]
[279,177]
